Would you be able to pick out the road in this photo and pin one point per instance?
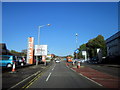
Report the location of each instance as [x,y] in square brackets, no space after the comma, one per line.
[60,76]
[21,76]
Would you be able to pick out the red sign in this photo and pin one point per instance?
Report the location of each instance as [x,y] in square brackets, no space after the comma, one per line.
[43,58]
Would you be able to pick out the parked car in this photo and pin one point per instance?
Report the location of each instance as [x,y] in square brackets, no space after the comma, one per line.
[21,61]
[7,60]
[95,60]
[82,61]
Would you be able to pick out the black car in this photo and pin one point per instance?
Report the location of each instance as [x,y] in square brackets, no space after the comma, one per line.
[21,61]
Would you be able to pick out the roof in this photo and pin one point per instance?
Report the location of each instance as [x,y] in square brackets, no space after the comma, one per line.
[113,37]
[4,50]
[3,46]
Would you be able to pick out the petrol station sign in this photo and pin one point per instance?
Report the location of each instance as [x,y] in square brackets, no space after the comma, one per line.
[30,50]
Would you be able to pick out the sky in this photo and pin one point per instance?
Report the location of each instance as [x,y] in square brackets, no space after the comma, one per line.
[20,20]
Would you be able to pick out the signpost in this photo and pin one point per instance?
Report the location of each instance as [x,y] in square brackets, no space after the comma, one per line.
[30,50]
[41,50]
[76,51]
[99,53]
[85,54]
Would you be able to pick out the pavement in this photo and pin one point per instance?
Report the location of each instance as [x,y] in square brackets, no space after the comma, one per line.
[104,79]
[110,65]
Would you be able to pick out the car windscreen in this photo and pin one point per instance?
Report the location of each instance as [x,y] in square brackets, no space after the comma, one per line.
[4,57]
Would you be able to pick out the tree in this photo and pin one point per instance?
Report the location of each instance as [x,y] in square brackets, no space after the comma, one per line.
[70,56]
[91,47]
[24,52]
[95,43]
[81,48]
[14,52]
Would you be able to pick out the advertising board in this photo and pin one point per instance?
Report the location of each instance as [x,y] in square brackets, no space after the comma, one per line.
[40,50]
[30,50]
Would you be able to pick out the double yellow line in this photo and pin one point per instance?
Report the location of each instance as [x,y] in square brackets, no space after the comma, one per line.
[33,80]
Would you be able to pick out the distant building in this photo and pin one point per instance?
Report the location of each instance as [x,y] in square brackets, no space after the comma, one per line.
[113,46]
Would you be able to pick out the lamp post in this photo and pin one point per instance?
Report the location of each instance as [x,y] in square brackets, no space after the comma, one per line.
[76,40]
[39,27]
[76,44]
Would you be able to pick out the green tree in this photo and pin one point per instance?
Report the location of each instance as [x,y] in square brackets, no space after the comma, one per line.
[70,56]
[14,52]
[24,52]
[81,48]
[95,43]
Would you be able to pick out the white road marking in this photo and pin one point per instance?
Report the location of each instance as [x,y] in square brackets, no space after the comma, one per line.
[24,80]
[90,79]
[87,78]
[48,77]
[52,69]
[73,70]
[67,66]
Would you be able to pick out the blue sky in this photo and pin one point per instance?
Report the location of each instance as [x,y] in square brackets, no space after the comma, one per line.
[88,19]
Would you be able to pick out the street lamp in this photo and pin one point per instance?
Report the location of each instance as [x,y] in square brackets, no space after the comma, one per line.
[76,40]
[39,32]
[39,38]
[76,44]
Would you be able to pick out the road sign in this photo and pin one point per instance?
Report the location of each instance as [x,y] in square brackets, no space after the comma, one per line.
[76,51]
[83,52]
[40,50]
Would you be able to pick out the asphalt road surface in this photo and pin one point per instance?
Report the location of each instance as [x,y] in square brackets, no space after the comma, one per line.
[60,76]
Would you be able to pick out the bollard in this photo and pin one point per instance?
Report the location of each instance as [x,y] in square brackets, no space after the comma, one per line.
[45,63]
[78,65]
[13,68]
[73,63]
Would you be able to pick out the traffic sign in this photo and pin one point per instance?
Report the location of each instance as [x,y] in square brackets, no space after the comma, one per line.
[76,51]
[83,52]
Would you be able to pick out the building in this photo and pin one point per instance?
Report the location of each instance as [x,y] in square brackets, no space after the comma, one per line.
[113,46]
[3,49]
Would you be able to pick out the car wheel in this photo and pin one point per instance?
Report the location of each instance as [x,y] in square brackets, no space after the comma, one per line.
[9,65]
[22,64]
